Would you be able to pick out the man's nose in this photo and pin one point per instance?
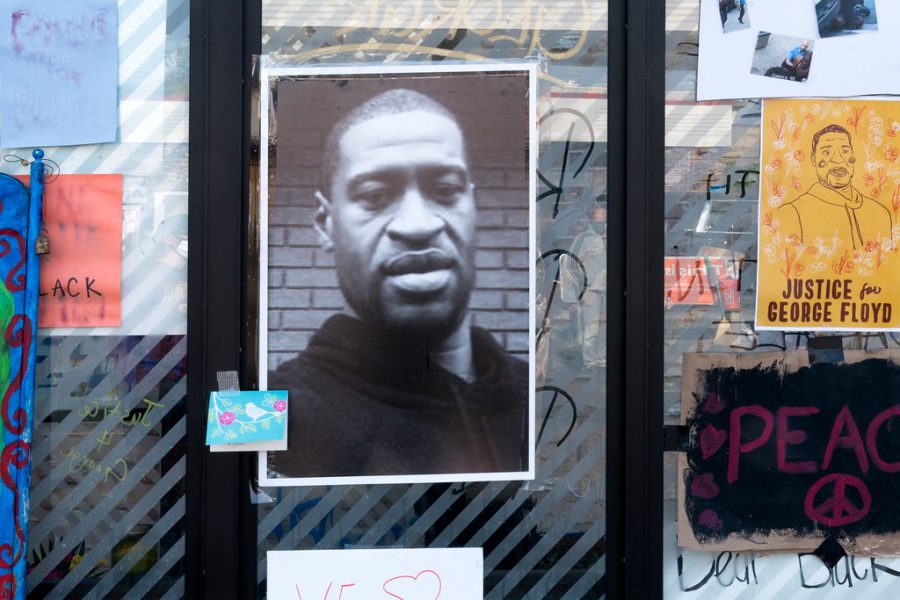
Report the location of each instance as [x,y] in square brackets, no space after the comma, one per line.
[415,219]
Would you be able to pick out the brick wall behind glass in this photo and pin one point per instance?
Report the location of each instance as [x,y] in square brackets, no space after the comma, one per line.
[303,288]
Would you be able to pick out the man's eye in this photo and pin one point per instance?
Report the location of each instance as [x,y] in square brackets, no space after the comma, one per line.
[374,198]
[446,192]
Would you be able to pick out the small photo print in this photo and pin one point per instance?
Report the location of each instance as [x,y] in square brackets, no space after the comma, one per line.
[782,56]
[734,14]
[846,17]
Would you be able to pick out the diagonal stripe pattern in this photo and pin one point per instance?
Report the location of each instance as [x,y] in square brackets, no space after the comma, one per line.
[107,513]
[544,538]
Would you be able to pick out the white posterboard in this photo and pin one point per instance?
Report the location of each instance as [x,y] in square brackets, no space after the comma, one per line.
[417,574]
[850,63]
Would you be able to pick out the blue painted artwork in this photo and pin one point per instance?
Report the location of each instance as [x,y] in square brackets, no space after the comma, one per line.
[20,226]
[237,417]
[60,65]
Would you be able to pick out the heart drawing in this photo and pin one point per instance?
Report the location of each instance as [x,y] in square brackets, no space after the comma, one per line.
[714,404]
[425,585]
[711,439]
[704,486]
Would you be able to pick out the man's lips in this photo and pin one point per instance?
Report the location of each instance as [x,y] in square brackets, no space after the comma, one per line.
[419,261]
[839,172]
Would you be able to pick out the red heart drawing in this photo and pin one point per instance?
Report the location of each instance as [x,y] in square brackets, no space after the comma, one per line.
[710,519]
[711,439]
[714,404]
[704,486]
[425,585]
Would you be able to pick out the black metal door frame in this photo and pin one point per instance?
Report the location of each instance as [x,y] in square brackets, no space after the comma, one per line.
[636,225]
[220,552]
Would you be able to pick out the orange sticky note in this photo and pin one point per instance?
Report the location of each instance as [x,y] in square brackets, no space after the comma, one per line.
[81,278]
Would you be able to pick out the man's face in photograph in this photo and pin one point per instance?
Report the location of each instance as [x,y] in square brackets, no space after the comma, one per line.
[401,217]
[834,160]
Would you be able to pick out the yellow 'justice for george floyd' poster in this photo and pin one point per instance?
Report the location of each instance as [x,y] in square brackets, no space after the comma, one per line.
[828,216]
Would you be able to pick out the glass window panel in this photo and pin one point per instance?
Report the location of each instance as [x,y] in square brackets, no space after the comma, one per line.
[107,499]
[543,538]
[711,202]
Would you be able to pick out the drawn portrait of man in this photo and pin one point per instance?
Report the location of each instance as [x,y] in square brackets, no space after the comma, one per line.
[404,353]
[832,207]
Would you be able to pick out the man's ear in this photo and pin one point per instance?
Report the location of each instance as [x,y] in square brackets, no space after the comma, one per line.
[322,222]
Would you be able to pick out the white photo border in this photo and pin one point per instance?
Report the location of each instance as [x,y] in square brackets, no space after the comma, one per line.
[268,73]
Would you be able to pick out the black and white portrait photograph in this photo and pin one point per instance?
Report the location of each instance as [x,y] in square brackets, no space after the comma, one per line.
[397,269]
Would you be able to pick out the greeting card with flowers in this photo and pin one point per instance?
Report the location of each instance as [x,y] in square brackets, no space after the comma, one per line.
[829,216]
[247,421]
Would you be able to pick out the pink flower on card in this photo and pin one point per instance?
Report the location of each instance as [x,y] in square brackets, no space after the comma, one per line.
[226,418]
[280,405]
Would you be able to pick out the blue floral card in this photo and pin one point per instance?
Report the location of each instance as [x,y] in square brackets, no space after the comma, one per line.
[247,421]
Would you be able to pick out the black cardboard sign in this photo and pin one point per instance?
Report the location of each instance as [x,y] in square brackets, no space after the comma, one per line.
[783,453]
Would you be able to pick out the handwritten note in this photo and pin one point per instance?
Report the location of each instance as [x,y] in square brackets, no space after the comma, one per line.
[109,411]
[797,575]
[417,574]
[59,61]
[81,277]
[783,453]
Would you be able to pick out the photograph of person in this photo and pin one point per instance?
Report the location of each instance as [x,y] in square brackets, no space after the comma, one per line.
[842,17]
[398,308]
[832,207]
[734,15]
[782,57]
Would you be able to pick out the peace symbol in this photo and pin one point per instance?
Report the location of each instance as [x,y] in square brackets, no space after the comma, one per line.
[838,509]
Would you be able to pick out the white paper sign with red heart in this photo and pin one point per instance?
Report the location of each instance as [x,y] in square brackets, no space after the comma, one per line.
[376,574]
